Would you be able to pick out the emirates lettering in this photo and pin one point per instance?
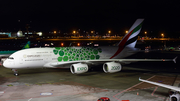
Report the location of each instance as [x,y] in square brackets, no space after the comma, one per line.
[81,68]
[115,68]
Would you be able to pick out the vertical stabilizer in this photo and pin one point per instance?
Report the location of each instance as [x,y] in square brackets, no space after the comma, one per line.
[130,39]
[27,45]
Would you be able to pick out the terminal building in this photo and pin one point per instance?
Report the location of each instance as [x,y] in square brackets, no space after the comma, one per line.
[20,34]
[5,34]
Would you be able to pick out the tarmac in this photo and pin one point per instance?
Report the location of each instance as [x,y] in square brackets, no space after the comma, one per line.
[60,85]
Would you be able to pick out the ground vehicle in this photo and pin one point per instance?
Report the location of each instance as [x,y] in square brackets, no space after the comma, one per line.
[103,99]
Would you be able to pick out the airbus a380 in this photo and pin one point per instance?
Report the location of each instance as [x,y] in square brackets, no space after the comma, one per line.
[78,59]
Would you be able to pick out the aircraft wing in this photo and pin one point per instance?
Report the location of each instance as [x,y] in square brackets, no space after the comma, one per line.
[162,85]
[56,64]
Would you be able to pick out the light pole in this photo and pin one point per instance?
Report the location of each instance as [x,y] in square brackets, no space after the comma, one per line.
[126,31]
[109,32]
[162,34]
[74,32]
[145,34]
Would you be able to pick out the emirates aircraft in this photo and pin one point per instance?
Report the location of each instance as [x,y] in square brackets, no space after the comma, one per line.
[79,59]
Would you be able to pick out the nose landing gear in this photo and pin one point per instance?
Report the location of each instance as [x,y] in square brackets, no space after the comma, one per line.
[15,72]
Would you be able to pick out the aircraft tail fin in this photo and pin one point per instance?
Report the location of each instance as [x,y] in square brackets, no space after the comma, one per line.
[27,45]
[130,39]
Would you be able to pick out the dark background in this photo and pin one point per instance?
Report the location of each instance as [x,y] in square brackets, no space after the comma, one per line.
[161,16]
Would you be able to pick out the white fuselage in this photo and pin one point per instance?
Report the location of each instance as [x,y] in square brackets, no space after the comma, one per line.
[40,57]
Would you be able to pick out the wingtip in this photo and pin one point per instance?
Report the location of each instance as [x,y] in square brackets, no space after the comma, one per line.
[175,59]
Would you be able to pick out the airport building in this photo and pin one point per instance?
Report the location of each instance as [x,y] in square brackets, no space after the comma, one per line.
[5,34]
[20,34]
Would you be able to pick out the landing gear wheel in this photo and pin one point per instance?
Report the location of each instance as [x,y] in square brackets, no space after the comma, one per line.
[16,74]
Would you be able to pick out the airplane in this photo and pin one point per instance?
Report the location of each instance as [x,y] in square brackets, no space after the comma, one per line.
[6,54]
[79,59]
[174,96]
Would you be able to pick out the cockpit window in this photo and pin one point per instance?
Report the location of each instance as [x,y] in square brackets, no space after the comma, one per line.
[10,58]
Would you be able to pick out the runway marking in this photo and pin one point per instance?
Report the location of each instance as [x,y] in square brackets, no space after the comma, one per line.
[156,95]
[75,86]
[8,80]
[30,99]
[1,91]
[45,94]
[130,88]
[154,91]
[139,89]
[152,94]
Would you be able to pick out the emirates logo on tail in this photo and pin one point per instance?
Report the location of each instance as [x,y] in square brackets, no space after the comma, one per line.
[130,39]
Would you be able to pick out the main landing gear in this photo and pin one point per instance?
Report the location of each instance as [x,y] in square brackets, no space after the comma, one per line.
[15,72]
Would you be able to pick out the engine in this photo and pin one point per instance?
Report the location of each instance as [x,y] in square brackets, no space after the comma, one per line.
[78,68]
[111,67]
[175,97]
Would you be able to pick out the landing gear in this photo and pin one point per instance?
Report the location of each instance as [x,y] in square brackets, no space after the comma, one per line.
[15,72]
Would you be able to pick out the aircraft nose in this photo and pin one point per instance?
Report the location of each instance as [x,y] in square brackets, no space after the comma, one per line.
[7,64]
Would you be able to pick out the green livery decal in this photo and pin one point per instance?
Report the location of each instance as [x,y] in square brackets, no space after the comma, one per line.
[73,54]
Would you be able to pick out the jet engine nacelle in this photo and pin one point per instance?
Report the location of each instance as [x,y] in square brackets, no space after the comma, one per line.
[111,67]
[175,97]
[78,68]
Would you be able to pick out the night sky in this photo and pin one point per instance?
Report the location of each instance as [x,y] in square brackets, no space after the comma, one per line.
[161,16]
